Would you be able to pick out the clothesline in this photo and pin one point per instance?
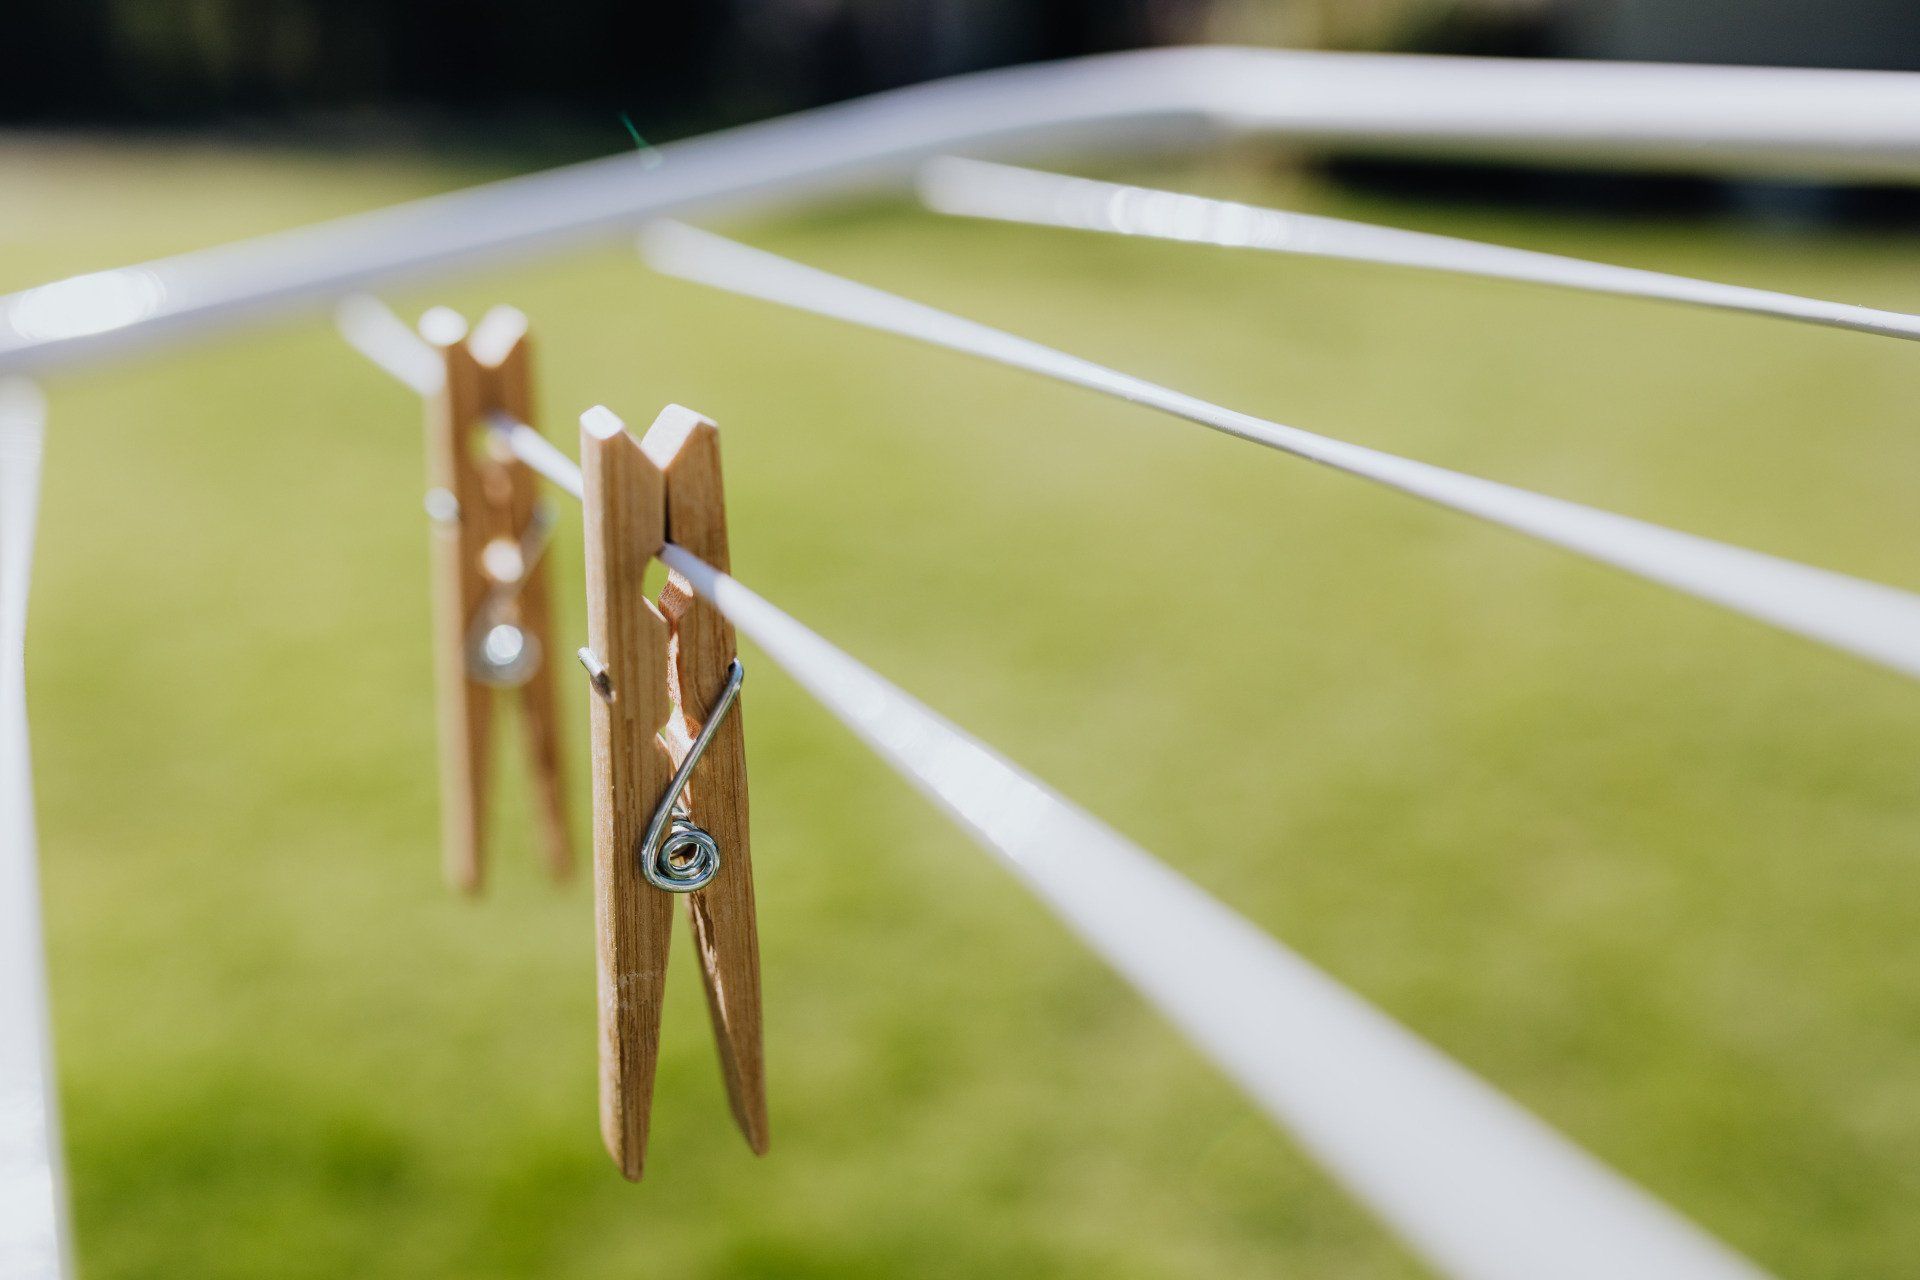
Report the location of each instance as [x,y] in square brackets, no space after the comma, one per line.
[1879,623]
[976,188]
[1476,1185]
[33,1219]
[1771,119]
[1471,1181]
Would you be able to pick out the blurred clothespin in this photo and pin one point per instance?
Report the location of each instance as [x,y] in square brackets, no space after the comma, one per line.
[669,769]
[492,613]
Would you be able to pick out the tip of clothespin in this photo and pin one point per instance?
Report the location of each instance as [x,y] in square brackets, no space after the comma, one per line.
[601,423]
[670,431]
[498,332]
[443,326]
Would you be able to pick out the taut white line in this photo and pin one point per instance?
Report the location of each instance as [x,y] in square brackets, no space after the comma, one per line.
[1879,623]
[975,188]
[1472,1182]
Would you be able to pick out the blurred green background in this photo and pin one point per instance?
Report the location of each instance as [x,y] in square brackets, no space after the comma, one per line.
[1645,866]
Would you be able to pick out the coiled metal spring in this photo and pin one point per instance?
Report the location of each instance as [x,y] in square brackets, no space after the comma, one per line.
[686,860]
[677,854]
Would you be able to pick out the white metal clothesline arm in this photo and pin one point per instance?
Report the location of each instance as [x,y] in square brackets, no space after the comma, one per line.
[980,189]
[1474,1184]
[33,1202]
[1855,123]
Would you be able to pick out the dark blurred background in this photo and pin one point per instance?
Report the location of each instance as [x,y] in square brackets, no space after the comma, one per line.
[682,68]
[551,81]
[679,68]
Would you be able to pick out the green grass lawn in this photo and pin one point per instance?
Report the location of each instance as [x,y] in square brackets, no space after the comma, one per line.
[1648,867]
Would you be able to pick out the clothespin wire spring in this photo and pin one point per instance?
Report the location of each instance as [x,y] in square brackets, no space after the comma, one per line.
[677,854]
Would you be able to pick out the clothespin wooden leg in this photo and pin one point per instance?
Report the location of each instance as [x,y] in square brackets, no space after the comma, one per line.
[686,448]
[625,519]
[502,347]
[457,505]
[541,724]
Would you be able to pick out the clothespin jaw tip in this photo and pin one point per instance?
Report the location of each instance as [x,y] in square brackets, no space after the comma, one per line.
[499,332]
[443,326]
[669,434]
[601,423]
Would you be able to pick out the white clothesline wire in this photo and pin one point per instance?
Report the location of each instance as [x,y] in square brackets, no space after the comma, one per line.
[544,457]
[371,328]
[33,1219]
[1879,623]
[976,188]
[1476,1185]
[1775,120]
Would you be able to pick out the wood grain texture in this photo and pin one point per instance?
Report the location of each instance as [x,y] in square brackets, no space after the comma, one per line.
[625,517]
[458,588]
[686,448]
[504,349]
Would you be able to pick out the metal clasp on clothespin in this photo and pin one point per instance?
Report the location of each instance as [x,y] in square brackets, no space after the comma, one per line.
[492,615]
[677,854]
[502,650]
[669,769]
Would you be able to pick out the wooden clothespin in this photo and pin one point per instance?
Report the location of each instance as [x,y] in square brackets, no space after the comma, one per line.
[492,612]
[665,717]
